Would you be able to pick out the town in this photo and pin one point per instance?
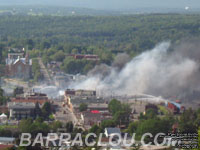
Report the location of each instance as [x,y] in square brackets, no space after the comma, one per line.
[99,75]
[27,110]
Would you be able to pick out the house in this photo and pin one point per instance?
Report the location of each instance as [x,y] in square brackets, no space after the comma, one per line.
[7,141]
[32,98]
[6,147]
[21,110]
[86,57]
[3,118]
[112,132]
[18,66]
[25,107]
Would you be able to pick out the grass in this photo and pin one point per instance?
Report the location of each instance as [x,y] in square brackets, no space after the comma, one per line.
[8,127]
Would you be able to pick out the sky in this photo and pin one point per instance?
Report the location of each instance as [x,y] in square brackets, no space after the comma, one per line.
[109,4]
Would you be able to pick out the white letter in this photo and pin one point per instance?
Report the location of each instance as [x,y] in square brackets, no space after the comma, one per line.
[66,139]
[38,140]
[156,139]
[118,141]
[86,140]
[51,137]
[132,140]
[143,137]
[75,141]
[99,141]
[23,140]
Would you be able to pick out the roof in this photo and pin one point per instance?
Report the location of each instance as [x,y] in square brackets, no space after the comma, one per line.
[21,105]
[14,61]
[113,131]
[5,146]
[40,101]
[7,139]
[3,116]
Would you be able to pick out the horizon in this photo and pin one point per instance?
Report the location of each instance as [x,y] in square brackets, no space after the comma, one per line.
[109,4]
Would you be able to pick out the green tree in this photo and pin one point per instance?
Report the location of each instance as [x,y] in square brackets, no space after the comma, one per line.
[114,106]
[132,127]
[59,56]
[121,118]
[3,99]
[25,125]
[83,107]
[18,91]
[107,123]
[187,121]
[46,110]
[70,127]
[153,126]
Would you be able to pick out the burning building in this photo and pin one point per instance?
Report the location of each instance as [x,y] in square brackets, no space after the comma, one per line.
[80,93]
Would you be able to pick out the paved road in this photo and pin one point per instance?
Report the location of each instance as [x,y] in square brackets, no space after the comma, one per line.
[44,71]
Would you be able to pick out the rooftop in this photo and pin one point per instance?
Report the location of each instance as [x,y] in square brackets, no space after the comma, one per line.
[7,139]
[21,105]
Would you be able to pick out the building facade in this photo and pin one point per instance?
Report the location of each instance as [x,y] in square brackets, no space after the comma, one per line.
[18,66]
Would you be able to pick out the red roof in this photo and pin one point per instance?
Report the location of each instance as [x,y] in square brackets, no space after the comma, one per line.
[5,146]
[95,112]
[40,101]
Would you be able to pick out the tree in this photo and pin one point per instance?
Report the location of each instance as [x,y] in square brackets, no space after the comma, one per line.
[46,110]
[59,56]
[187,121]
[55,125]
[38,111]
[153,126]
[107,123]
[121,118]
[149,114]
[132,127]
[114,106]
[94,129]
[83,107]
[3,99]
[2,70]
[18,91]
[25,125]
[70,127]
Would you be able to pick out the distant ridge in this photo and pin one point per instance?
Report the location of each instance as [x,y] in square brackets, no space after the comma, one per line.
[110,4]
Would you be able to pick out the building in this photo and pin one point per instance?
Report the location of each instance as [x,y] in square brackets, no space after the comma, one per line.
[7,140]
[3,118]
[18,66]
[26,107]
[32,98]
[86,57]
[21,110]
[6,147]
[112,132]
[80,93]
[81,96]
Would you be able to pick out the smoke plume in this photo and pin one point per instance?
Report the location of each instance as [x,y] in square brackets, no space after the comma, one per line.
[164,71]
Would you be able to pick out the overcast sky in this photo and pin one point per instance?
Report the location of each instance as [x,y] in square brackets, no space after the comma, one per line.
[109,4]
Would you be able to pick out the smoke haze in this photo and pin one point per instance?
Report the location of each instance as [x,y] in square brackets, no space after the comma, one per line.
[109,4]
[164,71]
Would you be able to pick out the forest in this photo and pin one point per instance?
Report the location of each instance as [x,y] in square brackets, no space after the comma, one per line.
[52,36]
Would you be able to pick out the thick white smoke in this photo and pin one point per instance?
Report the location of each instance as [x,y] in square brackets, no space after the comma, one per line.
[154,72]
